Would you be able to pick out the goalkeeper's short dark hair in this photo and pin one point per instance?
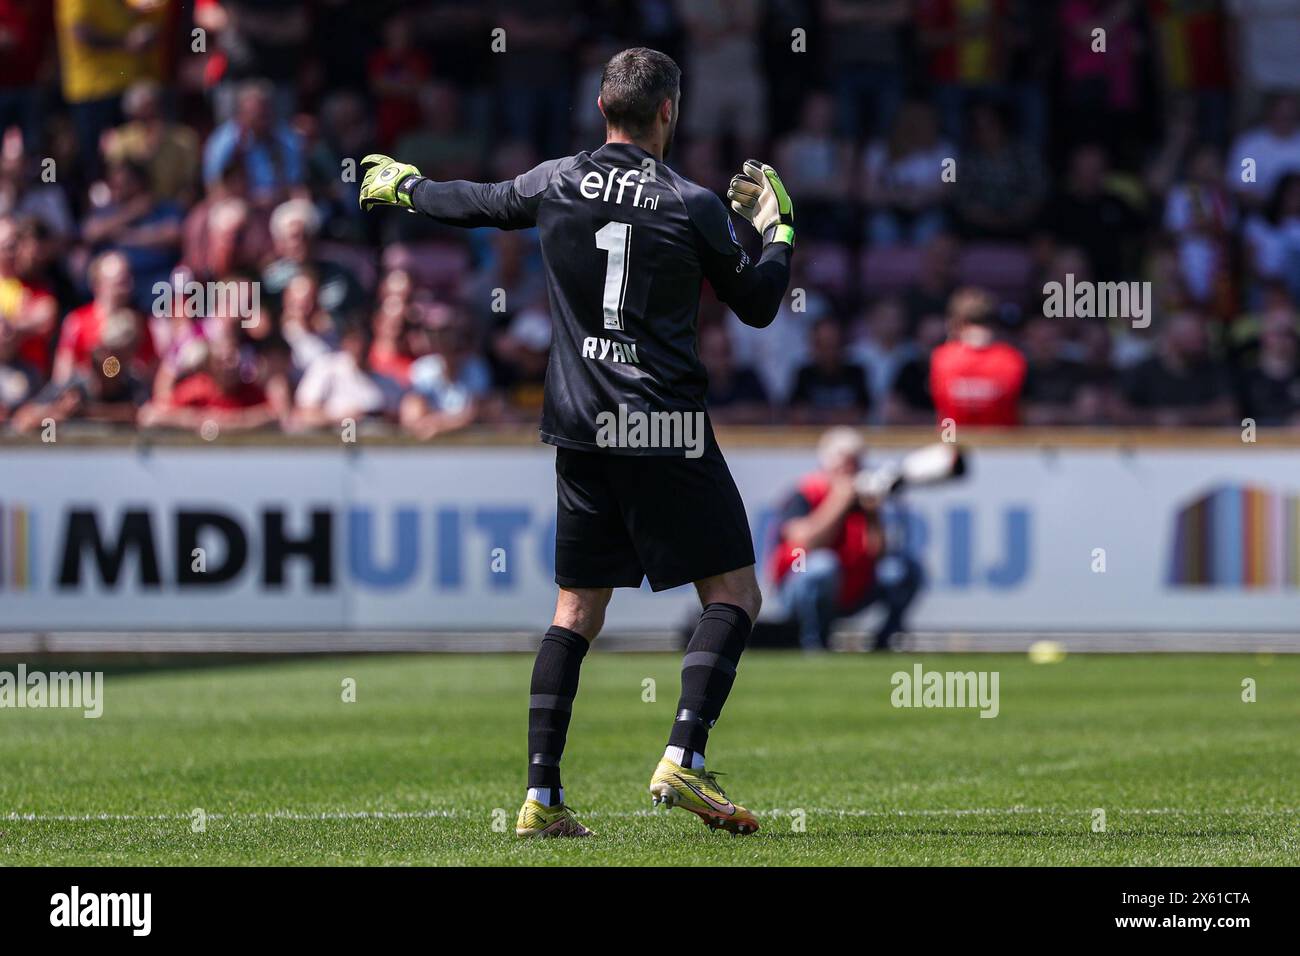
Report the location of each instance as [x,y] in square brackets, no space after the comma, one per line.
[634,84]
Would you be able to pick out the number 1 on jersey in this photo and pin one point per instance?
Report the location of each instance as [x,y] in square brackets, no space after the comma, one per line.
[615,238]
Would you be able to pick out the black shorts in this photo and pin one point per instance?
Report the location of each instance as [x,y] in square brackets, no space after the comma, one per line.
[624,517]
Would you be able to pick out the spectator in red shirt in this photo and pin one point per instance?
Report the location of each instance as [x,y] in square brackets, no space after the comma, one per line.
[976,380]
[28,310]
[82,332]
[18,380]
[214,398]
[1102,94]
[396,73]
[390,352]
[967,50]
[26,29]
[828,560]
[108,392]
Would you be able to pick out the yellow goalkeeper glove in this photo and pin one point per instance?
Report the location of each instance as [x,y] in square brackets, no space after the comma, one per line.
[388,182]
[758,194]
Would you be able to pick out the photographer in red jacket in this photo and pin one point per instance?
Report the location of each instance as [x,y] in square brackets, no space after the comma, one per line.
[829,561]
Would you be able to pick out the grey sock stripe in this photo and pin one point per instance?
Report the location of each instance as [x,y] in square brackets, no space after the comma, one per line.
[550,702]
[709,659]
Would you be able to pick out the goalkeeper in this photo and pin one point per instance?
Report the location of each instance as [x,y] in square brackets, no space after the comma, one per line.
[626,243]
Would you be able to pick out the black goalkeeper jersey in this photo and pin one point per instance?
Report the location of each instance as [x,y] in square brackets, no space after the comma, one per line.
[626,243]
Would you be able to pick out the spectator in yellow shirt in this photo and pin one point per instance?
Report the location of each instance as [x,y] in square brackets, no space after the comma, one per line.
[104,47]
[170,151]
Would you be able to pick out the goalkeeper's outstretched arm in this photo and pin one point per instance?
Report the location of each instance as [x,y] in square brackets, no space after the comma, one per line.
[508,205]
[753,290]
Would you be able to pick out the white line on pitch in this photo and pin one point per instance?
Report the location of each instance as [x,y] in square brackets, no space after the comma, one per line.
[470,814]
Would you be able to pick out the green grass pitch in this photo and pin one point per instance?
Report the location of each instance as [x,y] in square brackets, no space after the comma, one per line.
[426,767]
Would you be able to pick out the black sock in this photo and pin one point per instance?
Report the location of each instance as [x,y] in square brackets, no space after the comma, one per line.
[708,671]
[550,704]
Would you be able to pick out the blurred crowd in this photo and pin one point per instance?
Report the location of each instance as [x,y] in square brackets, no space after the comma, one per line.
[150,148]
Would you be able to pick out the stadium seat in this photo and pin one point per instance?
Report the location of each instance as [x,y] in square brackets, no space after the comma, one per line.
[827,266]
[431,264]
[1003,268]
[890,269]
